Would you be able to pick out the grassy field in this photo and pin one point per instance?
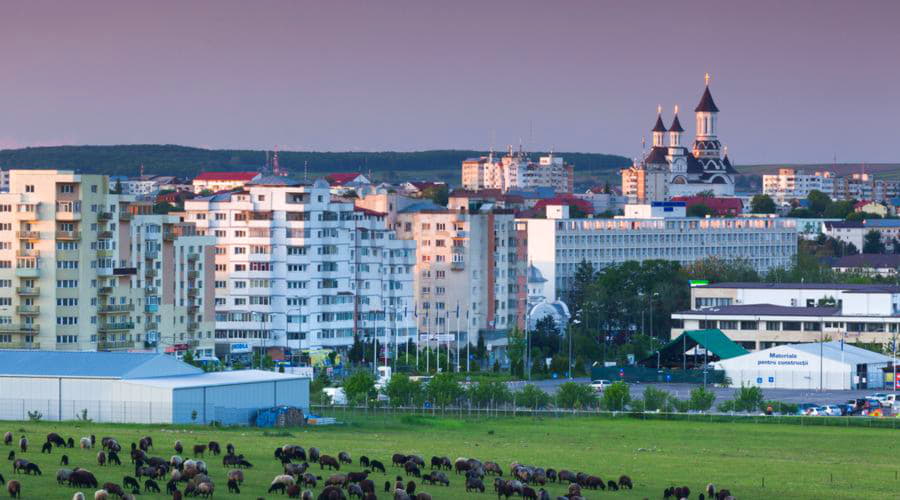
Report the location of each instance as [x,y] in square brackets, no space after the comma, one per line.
[754,461]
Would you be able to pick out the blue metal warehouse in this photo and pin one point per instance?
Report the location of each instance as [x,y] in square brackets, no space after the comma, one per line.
[137,388]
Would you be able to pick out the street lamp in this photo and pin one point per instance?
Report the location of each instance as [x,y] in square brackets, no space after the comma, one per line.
[575,321]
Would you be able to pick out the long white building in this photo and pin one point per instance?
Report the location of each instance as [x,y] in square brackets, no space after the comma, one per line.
[557,244]
[516,171]
[296,267]
[792,184]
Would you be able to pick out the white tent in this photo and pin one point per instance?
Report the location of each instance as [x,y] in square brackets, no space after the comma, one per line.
[827,365]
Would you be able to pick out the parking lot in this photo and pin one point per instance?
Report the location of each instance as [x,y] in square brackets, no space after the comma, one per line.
[682,391]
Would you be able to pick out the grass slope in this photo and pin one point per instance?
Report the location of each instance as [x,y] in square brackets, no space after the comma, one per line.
[796,462]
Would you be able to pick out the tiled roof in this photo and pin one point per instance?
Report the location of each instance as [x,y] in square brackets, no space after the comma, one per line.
[706,103]
[227,176]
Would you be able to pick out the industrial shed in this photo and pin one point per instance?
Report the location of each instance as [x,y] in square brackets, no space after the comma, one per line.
[137,388]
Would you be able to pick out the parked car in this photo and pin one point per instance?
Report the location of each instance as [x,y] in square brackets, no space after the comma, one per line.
[600,385]
[832,410]
[803,408]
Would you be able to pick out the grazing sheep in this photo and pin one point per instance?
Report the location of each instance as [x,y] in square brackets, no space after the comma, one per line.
[387,486]
[199,449]
[306,495]
[101,495]
[32,469]
[398,459]
[82,478]
[574,490]
[233,487]
[543,495]
[14,488]
[114,489]
[344,458]
[130,482]
[364,461]
[23,444]
[330,461]
[625,482]
[377,465]
[308,479]
[411,469]
[78,496]
[101,458]
[145,443]
[206,489]
[171,486]
[612,485]
[179,449]
[56,440]
[314,454]
[214,448]
[423,496]
[62,475]
[236,475]
[151,486]
[64,460]
[46,448]
[400,494]
[410,487]
[711,490]
[473,484]
[229,449]
[354,490]
[7,438]
[70,443]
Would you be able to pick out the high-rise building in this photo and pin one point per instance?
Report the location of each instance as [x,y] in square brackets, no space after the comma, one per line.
[792,184]
[70,258]
[516,171]
[296,267]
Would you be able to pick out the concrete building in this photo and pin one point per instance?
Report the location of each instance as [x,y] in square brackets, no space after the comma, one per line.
[557,244]
[869,264]
[297,268]
[863,186]
[138,388]
[792,184]
[466,258]
[855,231]
[670,169]
[516,171]
[763,315]
[825,365]
[145,187]
[222,181]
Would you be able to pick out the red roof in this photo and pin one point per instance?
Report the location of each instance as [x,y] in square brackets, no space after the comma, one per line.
[369,211]
[227,176]
[343,178]
[565,199]
[863,203]
[719,206]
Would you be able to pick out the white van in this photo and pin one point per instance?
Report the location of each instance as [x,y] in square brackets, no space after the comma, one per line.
[337,395]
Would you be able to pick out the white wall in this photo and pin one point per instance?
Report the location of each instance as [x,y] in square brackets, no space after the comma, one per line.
[786,368]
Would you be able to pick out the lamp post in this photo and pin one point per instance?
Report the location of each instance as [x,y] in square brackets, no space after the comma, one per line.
[575,321]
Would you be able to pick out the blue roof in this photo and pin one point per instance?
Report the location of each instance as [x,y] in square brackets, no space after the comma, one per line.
[882,223]
[119,365]
[421,206]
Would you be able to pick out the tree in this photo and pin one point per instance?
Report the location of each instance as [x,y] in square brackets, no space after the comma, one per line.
[872,242]
[357,351]
[401,390]
[655,399]
[360,386]
[532,397]
[839,209]
[118,188]
[584,277]
[818,202]
[701,399]
[617,396]
[493,393]
[515,340]
[162,208]
[573,395]
[762,204]
[698,210]
[438,193]
[443,389]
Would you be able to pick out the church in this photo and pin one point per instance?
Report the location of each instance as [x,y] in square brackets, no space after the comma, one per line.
[670,169]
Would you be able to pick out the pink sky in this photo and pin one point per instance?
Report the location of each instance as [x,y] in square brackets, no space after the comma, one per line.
[797,81]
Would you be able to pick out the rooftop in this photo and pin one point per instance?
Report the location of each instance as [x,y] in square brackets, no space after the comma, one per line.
[227,176]
[873,260]
[763,310]
[217,378]
[118,365]
[847,287]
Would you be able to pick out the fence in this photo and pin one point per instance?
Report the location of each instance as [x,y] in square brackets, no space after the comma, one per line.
[124,412]
[347,412]
[633,373]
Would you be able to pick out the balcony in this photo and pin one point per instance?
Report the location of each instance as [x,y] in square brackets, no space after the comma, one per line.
[68,235]
[104,253]
[193,256]
[28,253]
[151,255]
[193,292]
[193,326]
[28,290]
[151,290]
[104,216]
[150,273]
[151,308]
[105,235]
[28,310]
[28,272]
[192,275]
[151,326]
[106,345]
[27,211]
[28,235]
[29,328]
[115,308]
[125,216]
[168,236]
[457,266]
[124,271]
[192,309]
[67,211]
[20,345]
[104,271]
[105,290]
[116,327]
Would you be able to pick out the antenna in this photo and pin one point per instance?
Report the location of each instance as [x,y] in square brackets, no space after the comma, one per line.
[305,170]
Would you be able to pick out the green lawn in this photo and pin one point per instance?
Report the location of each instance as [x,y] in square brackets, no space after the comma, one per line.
[794,461]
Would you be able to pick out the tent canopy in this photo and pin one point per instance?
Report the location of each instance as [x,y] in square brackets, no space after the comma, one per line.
[716,343]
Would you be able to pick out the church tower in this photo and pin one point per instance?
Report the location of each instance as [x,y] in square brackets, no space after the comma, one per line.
[706,143]
[659,130]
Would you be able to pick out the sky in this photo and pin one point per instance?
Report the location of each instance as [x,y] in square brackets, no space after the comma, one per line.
[799,81]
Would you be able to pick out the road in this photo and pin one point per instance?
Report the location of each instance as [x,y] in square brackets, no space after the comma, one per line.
[682,391]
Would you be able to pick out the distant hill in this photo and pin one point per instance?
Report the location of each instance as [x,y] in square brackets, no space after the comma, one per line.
[187,161]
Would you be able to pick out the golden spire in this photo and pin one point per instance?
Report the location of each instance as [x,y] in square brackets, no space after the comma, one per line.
[706,78]
[659,109]
[676,109]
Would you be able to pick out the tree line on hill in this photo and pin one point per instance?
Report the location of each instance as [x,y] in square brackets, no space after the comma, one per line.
[183,161]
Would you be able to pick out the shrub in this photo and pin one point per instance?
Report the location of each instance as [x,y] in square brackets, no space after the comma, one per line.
[617,396]
[701,399]
[443,389]
[403,390]
[575,395]
[780,407]
[726,406]
[359,387]
[655,399]
[747,398]
[493,393]
[532,397]
[679,405]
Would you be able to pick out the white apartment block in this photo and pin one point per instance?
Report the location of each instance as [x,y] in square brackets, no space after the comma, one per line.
[764,315]
[68,271]
[515,171]
[792,184]
[467,260]
[557,244]
[144,186]
[223,181]
[296,267]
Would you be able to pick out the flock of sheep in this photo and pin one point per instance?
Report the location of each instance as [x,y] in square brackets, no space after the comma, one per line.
[190,477]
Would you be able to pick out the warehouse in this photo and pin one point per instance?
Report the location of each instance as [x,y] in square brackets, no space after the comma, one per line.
[130,387]
[823,365]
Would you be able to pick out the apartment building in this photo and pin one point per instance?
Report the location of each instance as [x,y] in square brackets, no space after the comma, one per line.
[467,259]
[68,277]
[223,181]
[296,267]
[516,171]
[863,186]
[764,315]
[854,232]
[793,184]
[557,244]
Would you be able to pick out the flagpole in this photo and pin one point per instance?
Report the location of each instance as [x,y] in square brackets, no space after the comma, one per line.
[427,345]
[468,340]
[458,351]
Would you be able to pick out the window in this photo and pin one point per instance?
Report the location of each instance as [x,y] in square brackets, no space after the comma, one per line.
[240,250]
[812,326]
[294,250]
[749,325]
[773,326]
[728,325]
[706,324]
[67,339]
[793,326]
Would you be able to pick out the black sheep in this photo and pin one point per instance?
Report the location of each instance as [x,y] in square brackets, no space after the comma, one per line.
[64,460]
[113,458]
[70,443]
[151,486]
[387,486]
[364,461]
[233,487]
[612,485]
[625,482]
[130,482]
[410,488]
[46,448]
[377,465]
